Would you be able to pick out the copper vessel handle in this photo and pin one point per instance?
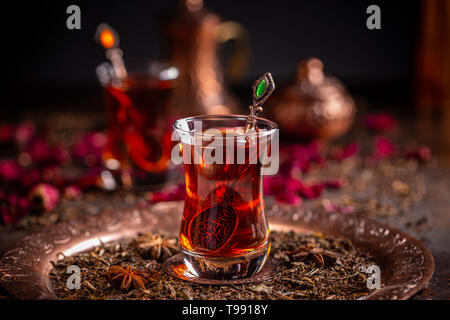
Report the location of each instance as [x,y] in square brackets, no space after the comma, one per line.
[237,66]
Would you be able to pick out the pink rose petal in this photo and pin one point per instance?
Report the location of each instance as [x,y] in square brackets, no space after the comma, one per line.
[10,170]
[300,157]
[6,132]
[288,198]
[331,207]
[379,122]
[346,152]
[72,192]
[92,179]
[142,204]
[173,193]
[59,155]
[44,196]
[422,153]
[272,184]
[25,132]
[31,177]
[89,147]
[7,216]
[383,147]
[347,210]
[311,192]
[39,150]
[333,184]
[14,207]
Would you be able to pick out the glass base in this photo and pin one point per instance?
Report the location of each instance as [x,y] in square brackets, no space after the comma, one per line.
[242,269]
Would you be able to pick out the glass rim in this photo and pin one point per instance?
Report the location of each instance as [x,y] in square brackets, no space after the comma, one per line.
[153,68]
[150,69]
[272,125]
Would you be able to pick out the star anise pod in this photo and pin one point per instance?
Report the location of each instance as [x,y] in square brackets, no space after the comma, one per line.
[155,247]
[126,277]
[322,258]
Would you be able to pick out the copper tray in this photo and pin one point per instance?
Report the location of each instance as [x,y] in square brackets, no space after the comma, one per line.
[406,264]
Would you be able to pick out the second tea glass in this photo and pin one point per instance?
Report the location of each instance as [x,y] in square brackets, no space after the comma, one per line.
[138,121]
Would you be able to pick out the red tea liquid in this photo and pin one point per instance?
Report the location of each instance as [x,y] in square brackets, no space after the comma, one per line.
[224,207]
[138,123]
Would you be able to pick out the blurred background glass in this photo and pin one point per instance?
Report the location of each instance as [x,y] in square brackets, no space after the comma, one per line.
[138,120]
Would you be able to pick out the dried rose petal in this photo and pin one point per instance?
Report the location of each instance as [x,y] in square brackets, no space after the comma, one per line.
[288,198]
[172,193]
[311,192]
[10,170]
[6,132]
[92,179]
[330,207]
[89,147]
[142,204]
[294,167]
[31,177]
[286,186]
[72,192]
[300,157]
[25,132]
[267,186]
[346,152]
[159,197]
[347,209]
[307,154]
[52,175]
[5,216]
[422,153]
[379,122]
[39,150]
[14,208]
[279,183]
[272,184]
[383,147]
[59,154]
[44,196]
[333,184]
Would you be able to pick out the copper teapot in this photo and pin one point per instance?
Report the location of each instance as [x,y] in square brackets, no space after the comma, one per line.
[315,106]
[194,35]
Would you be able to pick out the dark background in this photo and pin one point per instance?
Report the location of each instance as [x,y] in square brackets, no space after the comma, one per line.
[49,65]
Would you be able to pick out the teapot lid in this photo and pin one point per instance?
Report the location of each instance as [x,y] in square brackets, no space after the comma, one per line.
[315,104]
[311,70]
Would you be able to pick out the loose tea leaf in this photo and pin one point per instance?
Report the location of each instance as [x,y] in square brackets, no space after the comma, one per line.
[338,277]
[318,256]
